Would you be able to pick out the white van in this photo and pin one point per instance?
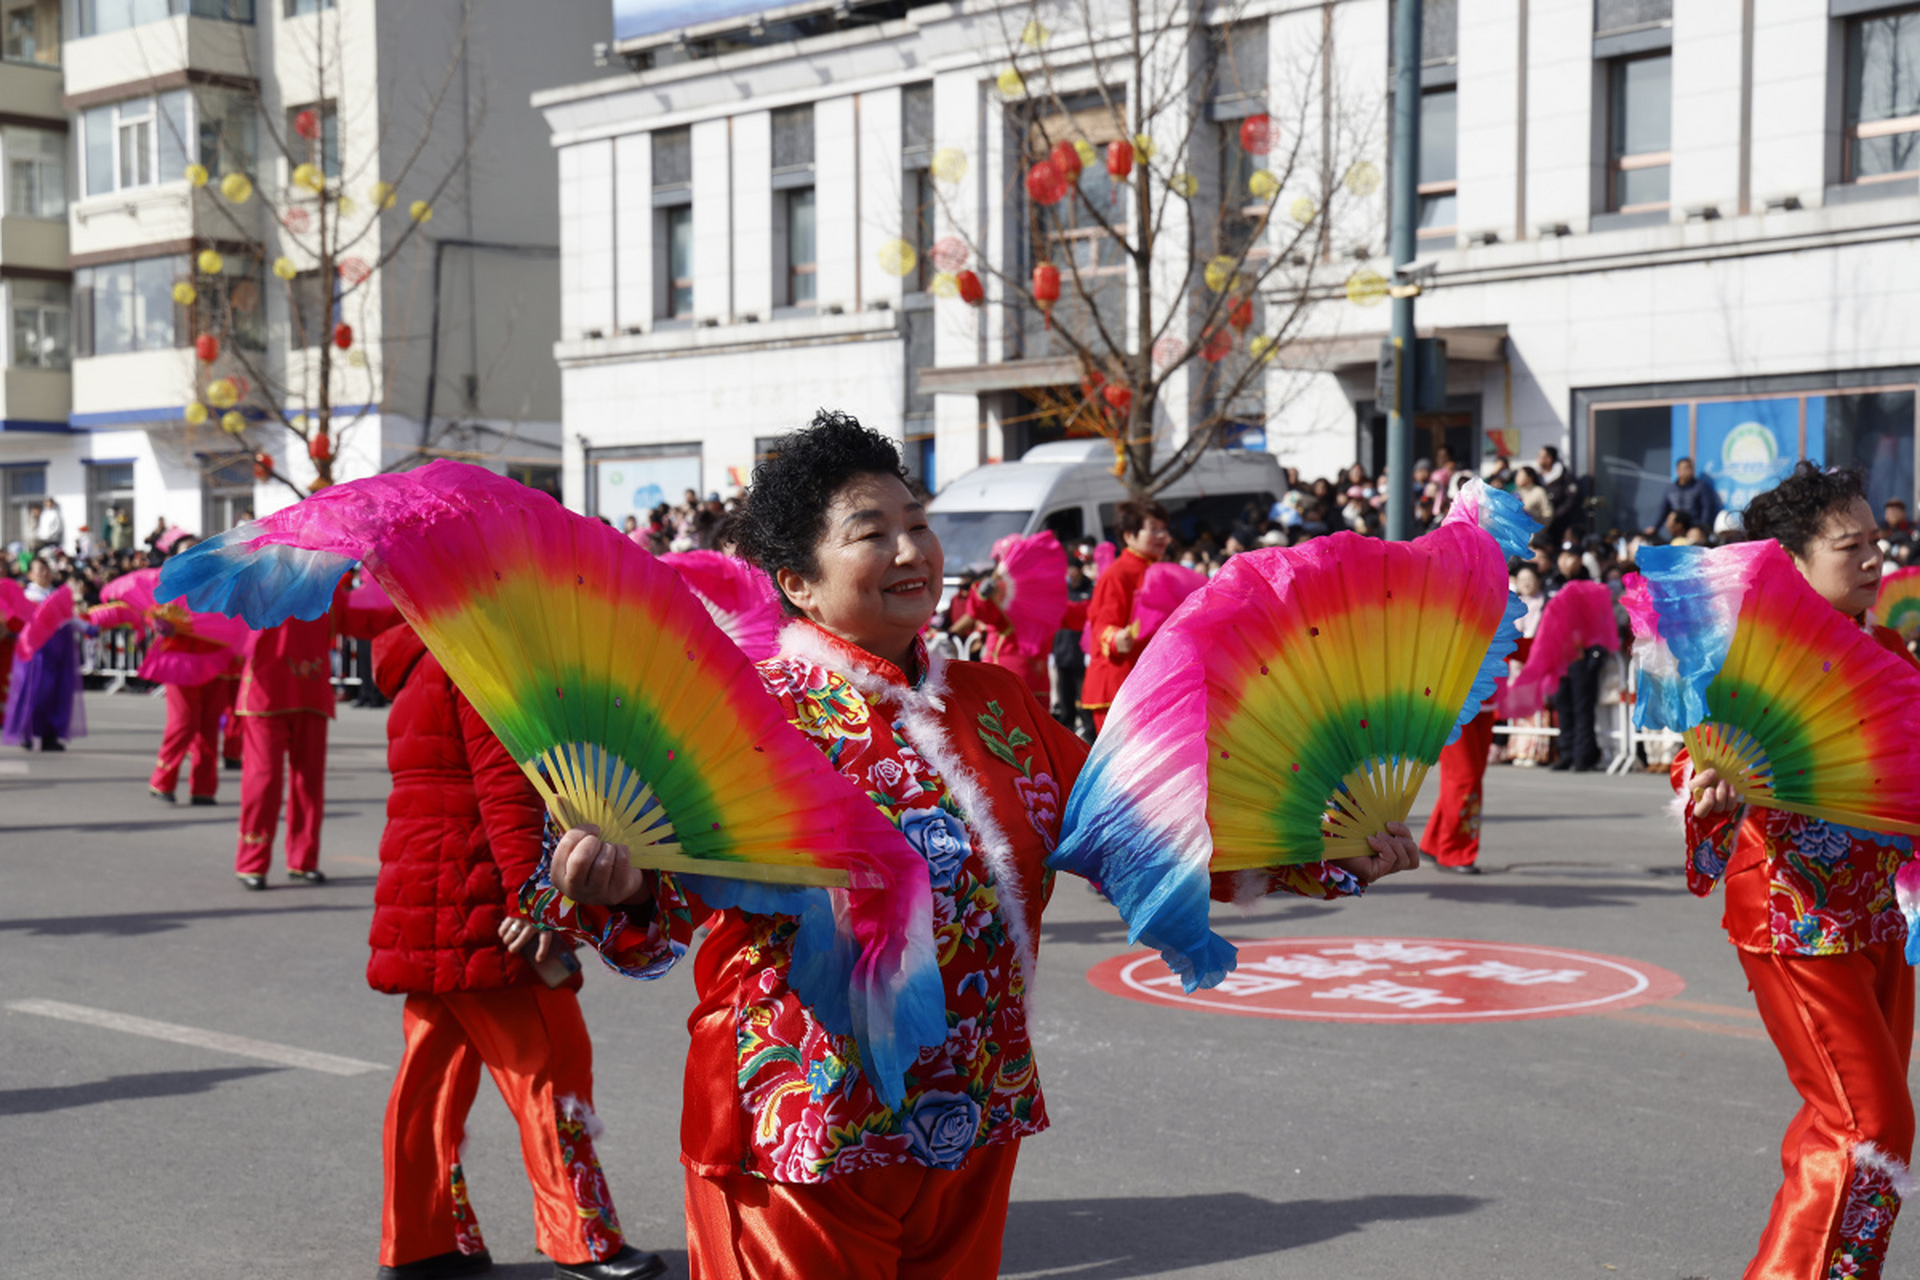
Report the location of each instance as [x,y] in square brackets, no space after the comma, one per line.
[1068,486]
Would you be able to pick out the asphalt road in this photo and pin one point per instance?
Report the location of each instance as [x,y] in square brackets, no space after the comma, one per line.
[1184,1142]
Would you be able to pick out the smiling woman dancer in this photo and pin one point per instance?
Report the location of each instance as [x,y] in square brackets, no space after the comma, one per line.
[794,1167]
[1811,907]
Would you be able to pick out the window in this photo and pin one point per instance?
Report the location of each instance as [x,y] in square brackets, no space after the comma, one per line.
[1874,431]
[323,150]
[98,17]
[1632,463]
[129,306]
[673,224]
[41,323]
[109,487]
[1883,97]
[231,304]
[30,31]
[1640,133]
[1612,16]
[679,240]
[795,265]
[310,310]
[135,143]
[226,491]
[921,217]
[25,488]
[536,475]
[36,173]
[1093,268]
[301,8]
[801,267]
[1439,165]
[223,131]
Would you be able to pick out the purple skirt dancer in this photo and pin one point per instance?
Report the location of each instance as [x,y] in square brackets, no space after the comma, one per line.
[43,699]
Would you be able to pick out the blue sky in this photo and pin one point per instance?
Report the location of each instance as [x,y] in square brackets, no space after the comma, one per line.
[650,17]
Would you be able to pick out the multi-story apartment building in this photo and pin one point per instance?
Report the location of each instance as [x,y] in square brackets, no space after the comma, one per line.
[107,276]
[1656,228]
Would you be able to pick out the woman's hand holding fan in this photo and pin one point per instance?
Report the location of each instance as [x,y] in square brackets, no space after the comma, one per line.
[588,869]
[1287,713]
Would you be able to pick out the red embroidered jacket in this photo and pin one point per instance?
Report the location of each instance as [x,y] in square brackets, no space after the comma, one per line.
[974,773]
[1796,886]
[290,667]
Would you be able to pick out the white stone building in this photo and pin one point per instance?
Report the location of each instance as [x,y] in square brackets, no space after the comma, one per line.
[452,339]
[1658,227]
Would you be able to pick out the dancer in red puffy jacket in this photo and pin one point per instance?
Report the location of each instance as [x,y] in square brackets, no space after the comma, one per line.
[463,832]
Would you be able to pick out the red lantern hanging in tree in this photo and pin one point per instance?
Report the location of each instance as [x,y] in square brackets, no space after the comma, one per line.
[343,335]
[307,124]
[263,466]
[320,448]
[971,291]
[1119,399]
[1216,345]
[1046,289]
[1066,159]
[207,347]
[1045,183]
[1119,159]
[1256,134]
[1242,314]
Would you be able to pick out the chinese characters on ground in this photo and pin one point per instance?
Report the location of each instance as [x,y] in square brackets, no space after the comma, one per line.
[1398,980]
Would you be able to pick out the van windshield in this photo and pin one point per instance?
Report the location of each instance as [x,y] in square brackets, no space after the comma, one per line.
[967,537]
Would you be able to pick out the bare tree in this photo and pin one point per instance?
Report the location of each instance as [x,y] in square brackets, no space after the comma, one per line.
[1170,254]
[318,215]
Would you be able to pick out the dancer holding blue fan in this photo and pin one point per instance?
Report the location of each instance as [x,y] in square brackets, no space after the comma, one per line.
[1801,785]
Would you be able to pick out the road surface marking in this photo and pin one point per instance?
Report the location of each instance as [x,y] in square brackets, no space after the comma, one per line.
[1688,1024]
[266,1051]
[13,767]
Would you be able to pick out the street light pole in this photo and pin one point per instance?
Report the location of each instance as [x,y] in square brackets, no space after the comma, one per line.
[1404,212]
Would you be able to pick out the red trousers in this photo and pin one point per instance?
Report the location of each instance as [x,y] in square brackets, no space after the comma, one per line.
[896,1222]
[1844,1025]
[300,739]
[1453,830]
[193,726]
[534,1043]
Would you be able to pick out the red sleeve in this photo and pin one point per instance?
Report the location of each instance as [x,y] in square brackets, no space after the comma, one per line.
[1711,842]
[1111,609]
[985,611]
[511,811]
[1076,615]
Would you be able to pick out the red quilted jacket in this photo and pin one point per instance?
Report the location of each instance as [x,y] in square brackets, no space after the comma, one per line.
[463,832]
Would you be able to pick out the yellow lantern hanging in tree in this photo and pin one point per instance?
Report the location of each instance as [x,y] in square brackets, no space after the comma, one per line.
[1184,185]
[897,257]
[185,294]
[420,211]
[210,262]
[222,394]
[284,268]
[308,176]
[197,174]
[195,412]
[233,422]
[1011,83]
[383,195]
[237,187]
[1263,184]
[1220,274]
[949,164]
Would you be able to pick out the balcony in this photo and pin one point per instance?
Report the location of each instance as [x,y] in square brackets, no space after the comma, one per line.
[155,55]
[35,399]
[31,91]
[132,389]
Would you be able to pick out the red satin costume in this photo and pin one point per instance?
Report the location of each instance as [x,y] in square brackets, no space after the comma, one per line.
[1109,616]
[286,698]
[1811,908]
[1453,830]
[193,728]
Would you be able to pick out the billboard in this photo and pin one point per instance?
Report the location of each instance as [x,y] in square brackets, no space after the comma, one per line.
[1748,446]
[625,487]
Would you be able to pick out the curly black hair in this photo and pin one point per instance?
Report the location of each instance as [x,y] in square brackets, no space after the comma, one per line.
[1794,511]
[785,514]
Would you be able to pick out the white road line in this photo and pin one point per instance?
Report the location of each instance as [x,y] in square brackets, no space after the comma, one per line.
[13,767]
[266,1051]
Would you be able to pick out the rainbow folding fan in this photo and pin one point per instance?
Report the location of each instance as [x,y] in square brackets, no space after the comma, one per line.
[1899,603]
[1788,699]
[605,678]
[1033,595]
[1286,713]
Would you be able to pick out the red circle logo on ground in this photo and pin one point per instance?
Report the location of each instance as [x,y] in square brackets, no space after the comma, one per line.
[1398,980]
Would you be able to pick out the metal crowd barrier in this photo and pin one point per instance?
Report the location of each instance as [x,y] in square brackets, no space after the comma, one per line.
[114,657]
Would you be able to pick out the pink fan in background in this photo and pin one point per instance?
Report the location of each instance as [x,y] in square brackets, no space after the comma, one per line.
[1161,592]
[48,617]
[369,610]
[15,608]
[1033,570]
[1577,618]
[192,647]
[1103,557]
[739,597]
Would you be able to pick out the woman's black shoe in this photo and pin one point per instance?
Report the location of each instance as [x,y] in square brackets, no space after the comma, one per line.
[441,1266]
[628,1264]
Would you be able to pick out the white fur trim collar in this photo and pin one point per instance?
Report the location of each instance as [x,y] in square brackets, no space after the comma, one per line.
[1867,1155]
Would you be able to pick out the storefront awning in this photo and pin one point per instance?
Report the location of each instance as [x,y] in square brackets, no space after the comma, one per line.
[1352,352]
[1002,375]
